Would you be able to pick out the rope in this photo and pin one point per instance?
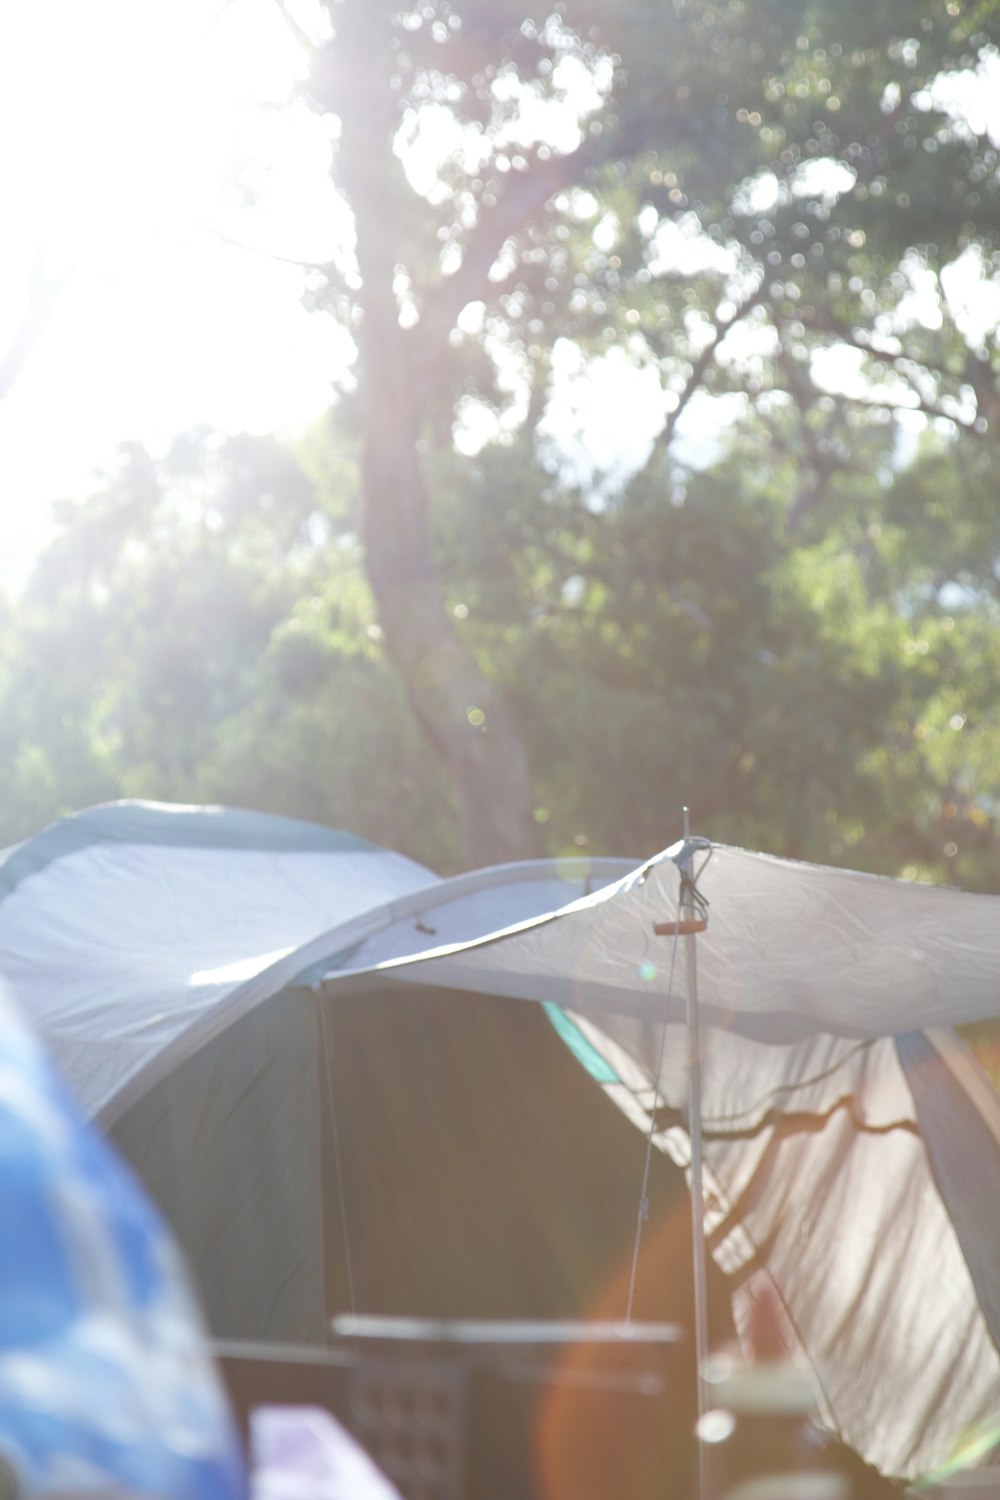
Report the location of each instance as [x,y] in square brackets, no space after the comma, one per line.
[328,1075]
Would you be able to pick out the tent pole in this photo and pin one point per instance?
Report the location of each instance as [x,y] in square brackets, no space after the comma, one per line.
[689,915]
[691,919]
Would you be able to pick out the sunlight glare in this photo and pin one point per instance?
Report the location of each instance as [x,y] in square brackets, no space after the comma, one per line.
[151,144]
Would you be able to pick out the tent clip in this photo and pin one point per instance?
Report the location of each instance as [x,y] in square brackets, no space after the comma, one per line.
[690,900]
[683,928]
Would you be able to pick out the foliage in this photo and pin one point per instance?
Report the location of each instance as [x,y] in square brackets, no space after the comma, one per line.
[830,697]
[199,631]
[758,202]
[766,209]
[799,161]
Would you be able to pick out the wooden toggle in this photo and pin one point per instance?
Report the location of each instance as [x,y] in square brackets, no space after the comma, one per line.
[684,928]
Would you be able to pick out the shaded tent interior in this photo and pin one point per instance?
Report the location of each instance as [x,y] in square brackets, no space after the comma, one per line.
[450,1149]
[410,1151]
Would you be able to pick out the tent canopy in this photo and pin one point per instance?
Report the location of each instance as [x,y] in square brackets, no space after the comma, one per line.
[852,1146]
[306,1046]
[791,950]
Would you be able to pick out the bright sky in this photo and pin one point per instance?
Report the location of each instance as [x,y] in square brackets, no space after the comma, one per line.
[122,122]
[127,126]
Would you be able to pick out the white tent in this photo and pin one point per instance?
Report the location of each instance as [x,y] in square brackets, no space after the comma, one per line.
[852,1145]
[852,1148]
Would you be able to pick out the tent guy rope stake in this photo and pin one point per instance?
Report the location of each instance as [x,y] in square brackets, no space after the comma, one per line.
[692,917]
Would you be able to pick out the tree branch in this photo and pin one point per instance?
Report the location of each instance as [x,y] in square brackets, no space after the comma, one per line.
[525,195]
[697,373]
[825,322]
[701,364]
[326,267]
[828,324]
[804,394]
[929,409]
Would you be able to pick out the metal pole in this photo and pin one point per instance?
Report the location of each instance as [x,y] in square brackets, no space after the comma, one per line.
[688,909]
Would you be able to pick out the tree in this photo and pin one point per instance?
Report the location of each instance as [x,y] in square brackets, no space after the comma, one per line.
[827,691]
[200,629]
[761,630]
[660,178]
[197,630]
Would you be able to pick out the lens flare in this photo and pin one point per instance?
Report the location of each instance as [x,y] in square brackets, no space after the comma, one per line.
[716,1426]
[969,1452]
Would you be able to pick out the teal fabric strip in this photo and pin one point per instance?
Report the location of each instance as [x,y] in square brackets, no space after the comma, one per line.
[584,1052]
[167,824]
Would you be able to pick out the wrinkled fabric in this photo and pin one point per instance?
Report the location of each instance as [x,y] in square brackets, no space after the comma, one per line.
[822,1182]
[790,950]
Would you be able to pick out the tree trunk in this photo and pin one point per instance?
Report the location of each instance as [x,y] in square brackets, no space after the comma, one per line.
[463,714]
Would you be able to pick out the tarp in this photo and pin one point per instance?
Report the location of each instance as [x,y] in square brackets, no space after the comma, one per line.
[191,968]
[791,949]
[852,1156]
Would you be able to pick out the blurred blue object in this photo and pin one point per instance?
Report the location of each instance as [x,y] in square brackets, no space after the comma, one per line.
[106,1384]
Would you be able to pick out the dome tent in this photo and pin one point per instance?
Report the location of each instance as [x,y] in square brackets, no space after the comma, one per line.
[168,956]
[245,1002]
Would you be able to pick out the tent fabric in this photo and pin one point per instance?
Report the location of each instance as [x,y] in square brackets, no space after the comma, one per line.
[819,1175]
[125,928]
[476,1171]
[790,949]
[462,907]
[830,1193]
[958,1113]
[135,932]
[227,1142]
[847,1154]
[189,971]
[169,823]
[145,940]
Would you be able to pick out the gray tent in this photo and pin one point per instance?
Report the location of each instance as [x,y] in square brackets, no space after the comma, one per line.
[309,1049]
